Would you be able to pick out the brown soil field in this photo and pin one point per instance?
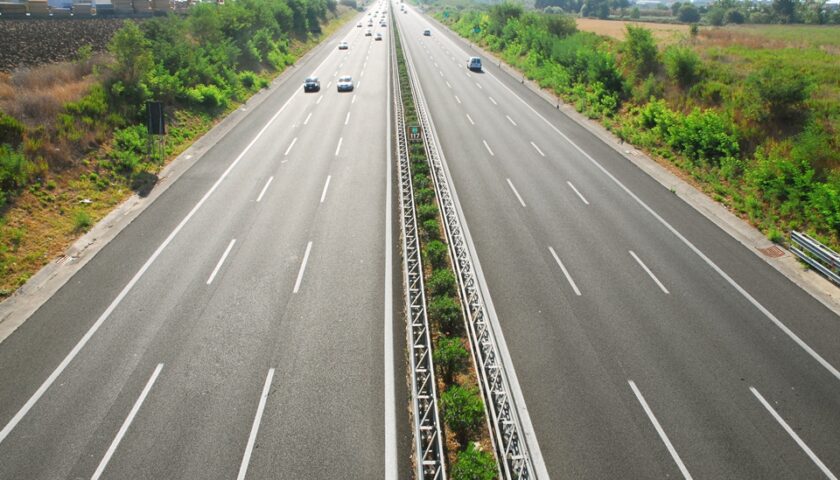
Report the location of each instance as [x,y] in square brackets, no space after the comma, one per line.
[664,32]
[29,42]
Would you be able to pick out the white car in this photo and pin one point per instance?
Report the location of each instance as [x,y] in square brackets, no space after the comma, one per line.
[368,33]
[345,83]
[378,36]
[343,45]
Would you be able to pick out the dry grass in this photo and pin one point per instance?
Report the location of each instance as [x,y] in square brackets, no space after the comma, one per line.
[663,32]
[725,37]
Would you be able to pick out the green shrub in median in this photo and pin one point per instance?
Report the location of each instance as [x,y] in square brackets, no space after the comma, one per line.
[431,230]
[447,313]
[462,409]
[450,356]
[442,282]
[474,464]
[424,195]
[436,252]
[426,211]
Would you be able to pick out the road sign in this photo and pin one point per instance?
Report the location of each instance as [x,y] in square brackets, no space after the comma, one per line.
[414,133]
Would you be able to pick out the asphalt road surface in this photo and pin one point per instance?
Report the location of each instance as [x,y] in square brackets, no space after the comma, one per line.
[647,342]
[247,323]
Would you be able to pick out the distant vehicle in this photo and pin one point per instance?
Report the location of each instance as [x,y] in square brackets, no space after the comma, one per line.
[368,33]
[378,36]
[343,45]
[427,33]
[345,83]
[383,24]
[359,25]
[474,64]
[311,84]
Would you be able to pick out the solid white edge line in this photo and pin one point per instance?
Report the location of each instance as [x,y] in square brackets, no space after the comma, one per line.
[537,148]
[489,150]
[511,120]
[660,431]
[127,423]
[264,189]
[289,149]
[645,267]
[302,267]
[255,427]
[326,186]
[577,192]
[816,356]
[565,272]
[347,118]
[338,148]
[78,347]
[221,261]
[470,119]
[493,100]
[793,435]
[391,462]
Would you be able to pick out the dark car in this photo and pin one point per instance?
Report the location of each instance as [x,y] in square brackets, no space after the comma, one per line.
[311,84]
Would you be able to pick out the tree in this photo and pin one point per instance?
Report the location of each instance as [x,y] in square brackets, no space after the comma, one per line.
[782,91]
[785,10]
[675,8]
[640,51]
[635,13]
[733,15]
[715,16]
[688,14]
[682,65]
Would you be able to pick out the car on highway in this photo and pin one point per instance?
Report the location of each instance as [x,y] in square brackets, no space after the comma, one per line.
[345,83]
[359,25]
[474,64]
[343,45]
[383,24]
[311,84]
[427,33]
[378,36]
[368,33]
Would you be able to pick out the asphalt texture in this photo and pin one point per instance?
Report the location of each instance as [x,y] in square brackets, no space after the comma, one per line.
[273,260]
[633,304]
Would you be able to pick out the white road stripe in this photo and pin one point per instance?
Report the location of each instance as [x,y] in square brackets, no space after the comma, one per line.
[262,192]
[577,192]
[255,427]
[347,118]
[639,261]
[784,328]
[302,267]
[470,119]
[489,150]
[511,120]
[793,435]
[537,148]
[448,85]
[479,86]
[359,84]
[441,73]
[221,261]
[321,97]
[363,74]
[493,100]
[468,74]
[307,118]
[338,148]
[390,406]
[289,149]
[659,430]
[354,99]
[457,99]
[565,272]
[326,186]
[127,423]
[107,313]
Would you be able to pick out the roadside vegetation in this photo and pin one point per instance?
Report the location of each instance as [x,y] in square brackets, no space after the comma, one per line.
[73,141]
[751,117]
[467,441]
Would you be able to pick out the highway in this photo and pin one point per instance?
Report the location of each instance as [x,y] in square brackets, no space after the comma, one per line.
[246,325]
[647,342]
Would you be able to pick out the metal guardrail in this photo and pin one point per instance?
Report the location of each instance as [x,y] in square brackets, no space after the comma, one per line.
[429,457]
[505,425]
[817,255]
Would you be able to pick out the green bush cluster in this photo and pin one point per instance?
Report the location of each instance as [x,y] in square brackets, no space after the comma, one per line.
[474,464]
[463,410]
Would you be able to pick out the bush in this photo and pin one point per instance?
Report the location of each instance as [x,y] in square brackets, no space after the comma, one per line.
[442,283]
[431,230]
[704,135]
[81,221]
[462,409]
[782,91]
[683,65]
[426,211]
[447,313]
[640,51]
[11,130]
[436,253]
[474,464]
[424,195]
[450,356]
[15,170]
[715,17]
[733,15]
[208,96]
